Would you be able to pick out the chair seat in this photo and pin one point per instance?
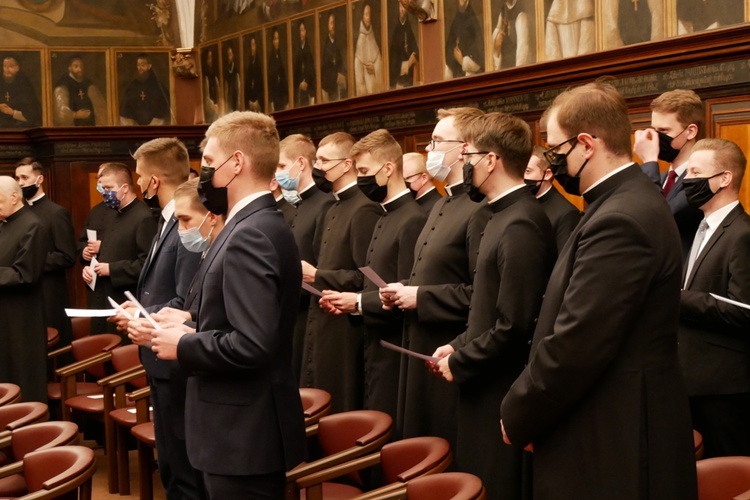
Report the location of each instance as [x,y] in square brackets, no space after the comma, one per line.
[145,432]
[82,389]
[127,416]
[335,491]
[87,403]
[13,486]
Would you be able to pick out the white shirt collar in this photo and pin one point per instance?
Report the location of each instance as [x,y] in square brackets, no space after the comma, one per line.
[243,203]
[607,176]
[423,194]
[35,199]
[337,193]
[539,195]
[448,189]
[309,186]
[399,195]
[679,170]
[506,193]
[716,218]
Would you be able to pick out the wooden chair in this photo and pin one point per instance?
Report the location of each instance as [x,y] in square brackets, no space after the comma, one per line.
[129,374]
[344,437]
[18,415]
[81,327]
[400,461]
[446,486]
[9,394]
[53,337]
[123,420]
[698,442]
[316,403]
[51,473]
[145,436]
[90,354]
[723,478]
[32,438]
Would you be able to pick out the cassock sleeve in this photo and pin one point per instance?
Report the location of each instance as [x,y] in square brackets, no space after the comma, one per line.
[589,329]
[28,265]
[522,264]
[124,273]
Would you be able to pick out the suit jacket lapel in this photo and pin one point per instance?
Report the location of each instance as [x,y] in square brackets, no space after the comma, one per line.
[158,241]
[712,241]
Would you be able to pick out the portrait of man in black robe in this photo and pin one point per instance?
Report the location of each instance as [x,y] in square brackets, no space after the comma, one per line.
[19,100]
[254,96]
[464,40]
[278,84]
[231,74]
[144,100]
[333,43]
[304,64]
[80,92]
[403,49]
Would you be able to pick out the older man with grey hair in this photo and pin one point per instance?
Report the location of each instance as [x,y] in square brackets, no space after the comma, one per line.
[23,250]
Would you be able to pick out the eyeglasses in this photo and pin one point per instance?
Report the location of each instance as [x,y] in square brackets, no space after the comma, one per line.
[412,176]
[434,142]
[553,157]
[321,161]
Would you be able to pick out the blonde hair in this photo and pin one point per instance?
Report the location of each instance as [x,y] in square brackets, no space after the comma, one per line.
[189,190]
[254,134]
[297,145]
[686,104]
[417,158]
[382,147]
[167,157]
[462,117]
[342,141]
[727,155]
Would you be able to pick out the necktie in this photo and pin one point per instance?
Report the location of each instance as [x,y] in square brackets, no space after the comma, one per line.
[700,235]
[671,178]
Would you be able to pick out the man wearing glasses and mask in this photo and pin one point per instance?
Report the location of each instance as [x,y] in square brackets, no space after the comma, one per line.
[603,375]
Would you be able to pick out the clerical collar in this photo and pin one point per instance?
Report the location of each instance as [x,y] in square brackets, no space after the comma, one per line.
[449,189]
[391,203]
[279,198]
[123,207]
[35,199]
[338,193]
[608,175]
[541,195]
[425,193]
[308,188]
[506,193]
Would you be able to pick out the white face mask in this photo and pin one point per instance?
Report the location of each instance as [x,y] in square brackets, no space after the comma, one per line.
[435,166]
[291,196]
[193,240]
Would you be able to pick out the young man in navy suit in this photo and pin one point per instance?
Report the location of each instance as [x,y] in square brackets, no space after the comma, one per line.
[243,420]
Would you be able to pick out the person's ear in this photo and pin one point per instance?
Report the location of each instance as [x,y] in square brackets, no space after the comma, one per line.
[691,132]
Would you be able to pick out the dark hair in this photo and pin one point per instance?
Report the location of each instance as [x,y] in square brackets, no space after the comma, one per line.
[35,165]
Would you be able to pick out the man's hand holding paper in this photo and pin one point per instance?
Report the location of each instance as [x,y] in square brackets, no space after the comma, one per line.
[337,303]
[164,342]
[172,315]
[441,368]
[398,295]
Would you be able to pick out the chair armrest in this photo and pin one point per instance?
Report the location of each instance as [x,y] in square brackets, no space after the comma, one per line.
[338,470]
[59,352]
[325,463]
[10,469]
[5,439]
[140,394]
[393,491]
[123,377]
[80,366]
[311,430]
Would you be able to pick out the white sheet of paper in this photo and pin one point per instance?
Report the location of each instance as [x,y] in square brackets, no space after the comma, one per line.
[394,347]
[373,276]
[311,289]
[730,301]
[118,308]
[91,234]
[94,262]
[143,310]
[90,313]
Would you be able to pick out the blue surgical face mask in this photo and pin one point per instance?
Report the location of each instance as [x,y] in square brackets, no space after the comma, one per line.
[193,240]
[99,188]
[287,182]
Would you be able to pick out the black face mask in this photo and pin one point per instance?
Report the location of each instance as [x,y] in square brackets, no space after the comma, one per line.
[319,177]
[153,200]
[666,151]
[30,191]
[214,199]
[534,185]
[370,187]
[559,166]
[698,190]
[473,191]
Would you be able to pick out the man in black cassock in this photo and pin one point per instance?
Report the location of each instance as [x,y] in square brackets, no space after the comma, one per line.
[304,70]
[296,159]
[23,337]
[278,93]
[464,44]
[19,106]
[61,253]
[403,52]
[332,357]
[254,78]
[231,81]
[391,255]
[435,299]
[332,65]
[516,255]
[146,100]
[122,250]
[77,100]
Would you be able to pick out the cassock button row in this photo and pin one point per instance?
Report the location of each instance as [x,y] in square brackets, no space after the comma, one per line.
[481,234]
[413,274]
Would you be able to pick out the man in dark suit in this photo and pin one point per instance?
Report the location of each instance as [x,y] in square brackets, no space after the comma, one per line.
[435,299]
[162,165]
[332,353]
[516,255]
[121,251]
[378,158]
[563,215]
[294,173]
[23,251]
[603,375]
[244,421]
[676,123]
[420,183]
[713,345]
[61,254]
